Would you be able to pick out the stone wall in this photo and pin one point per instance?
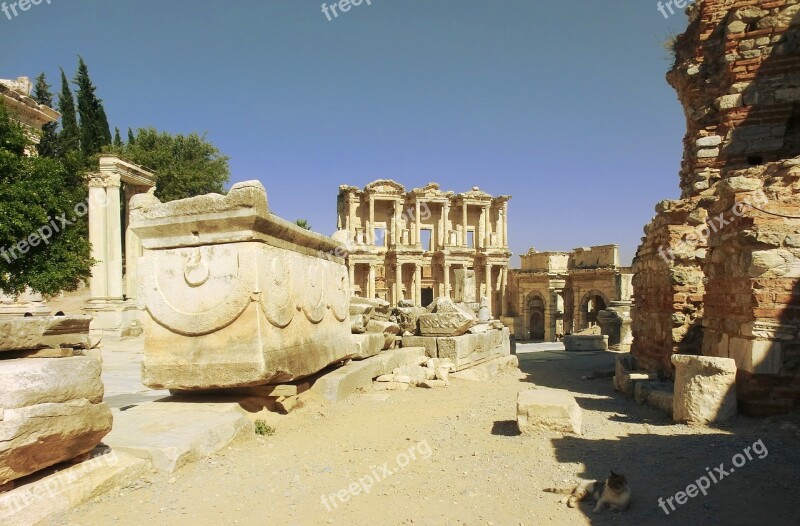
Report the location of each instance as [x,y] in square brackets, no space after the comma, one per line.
[714,274]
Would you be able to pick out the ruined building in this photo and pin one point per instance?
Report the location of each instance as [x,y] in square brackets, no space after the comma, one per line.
[717,272]
[425,243]
[557,293]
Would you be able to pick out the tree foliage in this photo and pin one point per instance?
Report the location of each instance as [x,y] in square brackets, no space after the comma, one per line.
[69,138]
[48,142]
[303,223]
[186,165]
[95,132]
[37,196]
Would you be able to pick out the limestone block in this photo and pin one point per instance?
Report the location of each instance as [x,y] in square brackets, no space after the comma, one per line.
[469,349]
[487,371]
[20,334]
[68,488]
[235,296]
[408,318]
[171,433]
[579,343]
[346,380]
[33,381]
[705,389]
[388,329]
[429,343]
[39,436]
[379,309]
[548,410]
[366,345]
[446,318]
[358,323]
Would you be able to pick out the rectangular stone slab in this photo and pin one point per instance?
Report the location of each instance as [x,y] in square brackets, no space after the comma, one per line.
[171,434]
[34,381]
[69,487]
[36,437]
[23,334]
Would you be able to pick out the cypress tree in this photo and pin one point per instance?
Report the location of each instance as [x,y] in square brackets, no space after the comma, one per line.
[117,138]
[95,132]
[69,137]
[131,137]
[48,143]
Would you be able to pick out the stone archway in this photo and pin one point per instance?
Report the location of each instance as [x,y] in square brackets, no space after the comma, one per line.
[535,307]
[591,304]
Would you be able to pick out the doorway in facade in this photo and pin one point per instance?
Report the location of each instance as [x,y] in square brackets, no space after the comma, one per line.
[427,296]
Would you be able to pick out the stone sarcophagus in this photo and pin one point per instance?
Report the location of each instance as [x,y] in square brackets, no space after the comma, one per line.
[235,296]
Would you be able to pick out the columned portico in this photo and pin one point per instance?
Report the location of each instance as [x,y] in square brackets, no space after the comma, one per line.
[112,301]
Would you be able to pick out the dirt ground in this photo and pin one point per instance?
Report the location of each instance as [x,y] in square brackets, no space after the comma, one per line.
[464,463]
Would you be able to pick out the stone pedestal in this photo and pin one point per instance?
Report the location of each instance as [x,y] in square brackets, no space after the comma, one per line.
[615,322]
[705,389]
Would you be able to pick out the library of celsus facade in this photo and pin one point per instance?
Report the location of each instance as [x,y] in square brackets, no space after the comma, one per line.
[425,243]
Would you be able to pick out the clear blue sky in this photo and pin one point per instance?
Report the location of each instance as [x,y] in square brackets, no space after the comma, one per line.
[561,104]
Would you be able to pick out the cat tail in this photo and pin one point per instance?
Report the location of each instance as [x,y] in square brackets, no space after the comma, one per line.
[561,491]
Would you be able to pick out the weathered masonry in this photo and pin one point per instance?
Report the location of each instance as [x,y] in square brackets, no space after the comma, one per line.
[426,243]
[717,272]
[557,293]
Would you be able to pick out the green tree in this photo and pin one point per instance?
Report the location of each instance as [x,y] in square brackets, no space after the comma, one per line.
[43,233]
[131,137]
[302,223]
[95,133]
[69,139]
[48,142]
[186,165]
[117,138]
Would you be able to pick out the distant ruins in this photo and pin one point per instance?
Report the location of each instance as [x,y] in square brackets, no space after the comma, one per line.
[425,244]
[558,293]
[717,272]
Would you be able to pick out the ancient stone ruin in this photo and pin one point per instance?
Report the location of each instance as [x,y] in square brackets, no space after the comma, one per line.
[51,404]
[717,272]
[558,293]
[235,296]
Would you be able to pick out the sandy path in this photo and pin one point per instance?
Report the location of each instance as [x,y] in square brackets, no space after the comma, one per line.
[471,468]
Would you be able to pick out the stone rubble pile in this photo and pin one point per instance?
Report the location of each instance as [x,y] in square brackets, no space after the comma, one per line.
[428,373]
[51,395]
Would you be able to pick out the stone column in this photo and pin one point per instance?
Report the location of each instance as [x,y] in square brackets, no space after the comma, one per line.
[446,280]
[398,283]
[396,236]
[489,292]
[464,223]
[505,225]
[501,240]
[371,226]
[503,289]
[371,284]
[114,247]
[98,215]
[445,214]
[352,270]
[488,225]
[417,214]
[480,233]
[417,284]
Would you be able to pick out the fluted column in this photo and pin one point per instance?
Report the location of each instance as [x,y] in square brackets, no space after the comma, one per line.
[98,216]
[446,280]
